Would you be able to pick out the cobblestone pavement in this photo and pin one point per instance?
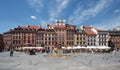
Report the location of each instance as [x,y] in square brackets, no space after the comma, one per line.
[77,61]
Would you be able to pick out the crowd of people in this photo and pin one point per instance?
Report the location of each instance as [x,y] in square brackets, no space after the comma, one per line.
[48,50]
[51,50]
[54,50]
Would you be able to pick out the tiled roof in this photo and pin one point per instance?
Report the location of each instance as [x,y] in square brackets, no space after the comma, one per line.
[98,30]
[87,27]
[46,30]
[49,30]
[35,27]
[41,29]
[60,27]
[8,32]
[51,25]
[31,27]
[90,32]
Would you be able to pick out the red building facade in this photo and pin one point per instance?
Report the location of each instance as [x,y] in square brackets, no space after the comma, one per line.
[21,36]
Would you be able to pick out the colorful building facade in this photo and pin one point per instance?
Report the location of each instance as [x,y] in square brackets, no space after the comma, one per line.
[114,39]
[20,36]
[57,35]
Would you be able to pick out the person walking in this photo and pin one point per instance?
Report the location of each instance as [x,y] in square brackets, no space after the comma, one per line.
[11,52]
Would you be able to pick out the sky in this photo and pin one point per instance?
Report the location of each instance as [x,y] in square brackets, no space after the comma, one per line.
[101,14]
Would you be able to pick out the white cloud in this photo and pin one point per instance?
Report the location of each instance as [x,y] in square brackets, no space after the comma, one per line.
[33,17]
[109,23]
[81,15]
[44,23]
[37,4]
[58,8]
[54,8]
[117,11]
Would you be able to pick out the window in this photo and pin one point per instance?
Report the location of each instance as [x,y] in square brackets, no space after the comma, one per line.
[19,37]
[28,37]
[88,43]
[52,43]
[32,33]
[13,37]
[24,41]
[52,34]
[80,42]
[16,37]
[19,42]
[80,38]
[77,38]
[52,38]
[24,33]
[28,33]
[91,44]
[45,42]
[28,41]
[32,41]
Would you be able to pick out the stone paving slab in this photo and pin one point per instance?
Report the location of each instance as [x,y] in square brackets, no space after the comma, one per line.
[77,61]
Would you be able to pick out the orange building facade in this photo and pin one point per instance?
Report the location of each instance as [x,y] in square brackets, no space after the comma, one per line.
[56,35]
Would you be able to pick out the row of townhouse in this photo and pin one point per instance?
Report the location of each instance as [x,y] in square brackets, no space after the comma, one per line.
[114,39]
[20,36]
[57,35]
[1,43]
